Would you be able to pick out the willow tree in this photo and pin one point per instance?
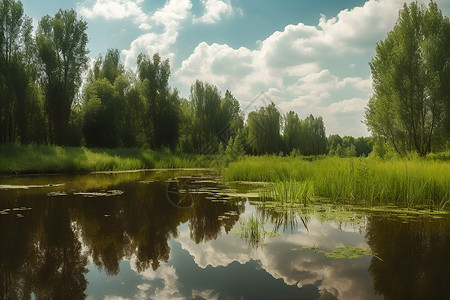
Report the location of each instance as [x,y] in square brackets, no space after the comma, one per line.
[411,81]
[61,42]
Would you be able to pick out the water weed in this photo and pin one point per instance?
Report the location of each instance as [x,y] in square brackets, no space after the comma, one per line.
[341,252]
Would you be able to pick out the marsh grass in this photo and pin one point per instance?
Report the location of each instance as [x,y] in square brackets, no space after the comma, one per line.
[288,191]
[52,159]
[407,182]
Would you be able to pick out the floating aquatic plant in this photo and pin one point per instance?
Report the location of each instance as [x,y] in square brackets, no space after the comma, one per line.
[341,252]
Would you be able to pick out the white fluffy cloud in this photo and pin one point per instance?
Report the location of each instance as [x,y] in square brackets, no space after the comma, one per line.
[170,286]
[309,69]
[170,17]
[115,10]
[296,66]
[296,268]
[172,14]
[214,10]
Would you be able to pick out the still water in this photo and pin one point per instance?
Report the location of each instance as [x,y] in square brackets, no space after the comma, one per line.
[187,235]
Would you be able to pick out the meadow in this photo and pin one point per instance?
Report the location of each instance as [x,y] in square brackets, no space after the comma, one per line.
[407,182]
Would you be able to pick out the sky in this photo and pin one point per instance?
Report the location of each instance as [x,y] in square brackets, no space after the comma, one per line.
[311,57]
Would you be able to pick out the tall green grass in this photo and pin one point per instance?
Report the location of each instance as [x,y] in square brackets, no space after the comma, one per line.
[407,182]
[289,192]
[50,159]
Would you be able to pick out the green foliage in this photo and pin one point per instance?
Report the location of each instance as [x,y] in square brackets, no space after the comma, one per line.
[307,136]
[61,45]
[293,131]
[214,119]
[205,101]
[20,102]
[103,115]
[52,159]
[348,146]
[407,182]
[162,105]
[264,130]
[363,146]
[411,78]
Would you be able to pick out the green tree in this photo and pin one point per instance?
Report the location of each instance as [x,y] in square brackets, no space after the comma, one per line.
[134,114]
[114,109]
[292,132]
[185,142]
[264,130]
[206,104]
[363,146]
[103,115]
[333,141]
[315,140]
[61,42]
[231,119]
[411,81]
[19,104]
[163,108]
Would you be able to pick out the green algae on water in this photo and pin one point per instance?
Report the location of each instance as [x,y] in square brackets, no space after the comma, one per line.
[340,252]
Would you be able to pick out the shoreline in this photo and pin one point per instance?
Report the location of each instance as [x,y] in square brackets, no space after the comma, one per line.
[106,172]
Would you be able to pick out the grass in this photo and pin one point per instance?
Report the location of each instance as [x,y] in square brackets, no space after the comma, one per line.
[290,192]
[15,159]
[407,182]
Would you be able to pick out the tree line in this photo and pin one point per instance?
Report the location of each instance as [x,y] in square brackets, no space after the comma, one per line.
[49,95]
[45,100]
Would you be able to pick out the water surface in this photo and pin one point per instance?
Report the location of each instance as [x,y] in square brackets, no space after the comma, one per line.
[179,235]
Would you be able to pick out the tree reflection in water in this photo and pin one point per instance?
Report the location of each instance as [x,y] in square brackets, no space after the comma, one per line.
[42,253]
[413,256]
[46,243]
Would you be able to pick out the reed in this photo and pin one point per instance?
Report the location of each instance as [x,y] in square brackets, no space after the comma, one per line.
[407,182]
[289,192]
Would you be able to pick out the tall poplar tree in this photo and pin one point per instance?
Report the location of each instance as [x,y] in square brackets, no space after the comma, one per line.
[411,81]
[61,42]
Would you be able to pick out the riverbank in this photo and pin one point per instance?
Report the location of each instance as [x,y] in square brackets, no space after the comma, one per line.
[34,159]
[406,182]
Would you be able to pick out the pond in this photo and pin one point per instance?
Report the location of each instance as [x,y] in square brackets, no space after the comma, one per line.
[189,235]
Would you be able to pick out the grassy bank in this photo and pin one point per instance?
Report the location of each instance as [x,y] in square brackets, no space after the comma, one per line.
[51,159]
[408,182]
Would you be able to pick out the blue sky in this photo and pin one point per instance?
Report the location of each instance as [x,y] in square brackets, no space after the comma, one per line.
[306,56]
